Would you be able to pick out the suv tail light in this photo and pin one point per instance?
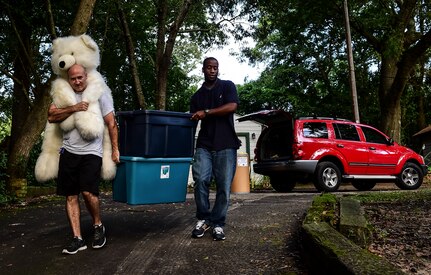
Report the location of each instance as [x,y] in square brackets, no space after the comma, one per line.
[297,150]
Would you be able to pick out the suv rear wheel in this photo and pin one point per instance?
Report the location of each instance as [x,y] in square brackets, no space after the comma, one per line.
[281,183]
[327,177]
[363,185]
[410,178]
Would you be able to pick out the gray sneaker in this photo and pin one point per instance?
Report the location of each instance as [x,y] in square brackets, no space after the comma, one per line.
[200,229]
[218,234]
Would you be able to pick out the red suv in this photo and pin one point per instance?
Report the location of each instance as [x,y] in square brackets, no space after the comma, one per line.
[329,151]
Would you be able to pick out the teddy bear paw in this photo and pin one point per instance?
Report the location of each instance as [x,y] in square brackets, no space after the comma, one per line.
[90,126]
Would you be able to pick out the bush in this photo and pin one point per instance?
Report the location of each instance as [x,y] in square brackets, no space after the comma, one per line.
[261,183]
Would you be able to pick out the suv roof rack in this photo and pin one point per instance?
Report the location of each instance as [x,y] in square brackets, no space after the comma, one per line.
[327,118]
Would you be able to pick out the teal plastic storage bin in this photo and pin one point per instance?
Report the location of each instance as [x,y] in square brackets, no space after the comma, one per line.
[119,188]
[151,180]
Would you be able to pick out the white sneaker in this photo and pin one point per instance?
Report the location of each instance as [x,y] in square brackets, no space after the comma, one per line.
[201,227]
[218,234]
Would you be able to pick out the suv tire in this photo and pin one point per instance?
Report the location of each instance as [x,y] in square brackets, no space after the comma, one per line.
[327,177]
[410,178]
[281,183]
[363,185]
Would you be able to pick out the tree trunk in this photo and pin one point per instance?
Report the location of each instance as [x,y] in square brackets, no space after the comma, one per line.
[29,116]
[83,17]
[165,49]
[132,58]
[162,10]
[388,99]
[20,151]
[162,82]
[394,76]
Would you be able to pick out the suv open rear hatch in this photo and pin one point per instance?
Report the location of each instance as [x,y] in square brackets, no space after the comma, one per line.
[275,141]
[268,117]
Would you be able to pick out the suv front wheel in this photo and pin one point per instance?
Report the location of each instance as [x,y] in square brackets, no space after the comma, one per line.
[327,177]
[410,178]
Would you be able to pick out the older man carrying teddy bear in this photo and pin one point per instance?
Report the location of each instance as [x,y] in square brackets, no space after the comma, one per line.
[81,161]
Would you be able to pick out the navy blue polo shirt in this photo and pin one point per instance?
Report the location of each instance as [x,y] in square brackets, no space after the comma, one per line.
[217,132]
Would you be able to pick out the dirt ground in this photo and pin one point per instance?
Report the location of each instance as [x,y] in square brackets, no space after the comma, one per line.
[402,234]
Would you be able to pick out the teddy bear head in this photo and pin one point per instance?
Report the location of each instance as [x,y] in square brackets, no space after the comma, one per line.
[70,50]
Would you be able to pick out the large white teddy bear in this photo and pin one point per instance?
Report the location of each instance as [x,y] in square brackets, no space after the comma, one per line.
[67,51]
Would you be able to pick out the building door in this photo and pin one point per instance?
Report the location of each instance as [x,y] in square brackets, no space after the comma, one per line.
[245,143]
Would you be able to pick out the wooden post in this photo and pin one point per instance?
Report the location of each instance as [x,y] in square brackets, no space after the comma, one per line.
[351,65]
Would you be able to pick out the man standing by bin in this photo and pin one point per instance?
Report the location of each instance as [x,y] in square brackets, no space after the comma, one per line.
[216,148]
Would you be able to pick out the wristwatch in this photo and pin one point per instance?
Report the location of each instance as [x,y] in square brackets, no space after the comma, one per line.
[207,111]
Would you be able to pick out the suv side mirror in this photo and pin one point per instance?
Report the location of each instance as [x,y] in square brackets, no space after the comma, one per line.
[390,141]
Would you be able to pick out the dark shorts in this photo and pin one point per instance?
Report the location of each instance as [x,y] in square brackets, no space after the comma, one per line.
[78,173]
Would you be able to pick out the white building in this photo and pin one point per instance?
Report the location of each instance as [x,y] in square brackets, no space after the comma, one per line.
[248,132]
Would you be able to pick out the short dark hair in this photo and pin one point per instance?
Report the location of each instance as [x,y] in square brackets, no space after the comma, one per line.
[208,59]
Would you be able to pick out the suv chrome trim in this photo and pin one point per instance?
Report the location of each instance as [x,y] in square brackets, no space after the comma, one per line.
[370,177]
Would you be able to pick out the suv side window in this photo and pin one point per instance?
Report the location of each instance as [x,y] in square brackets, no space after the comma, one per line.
[315,130]
[346,132]
[373,136]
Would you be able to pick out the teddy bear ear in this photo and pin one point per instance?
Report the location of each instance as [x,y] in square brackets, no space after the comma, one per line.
[54,43]
[89,42]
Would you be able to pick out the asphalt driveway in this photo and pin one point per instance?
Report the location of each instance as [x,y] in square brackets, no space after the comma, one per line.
[262,237]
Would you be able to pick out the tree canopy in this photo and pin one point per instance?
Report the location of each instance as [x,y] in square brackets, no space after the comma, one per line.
[138,58]
[303,43]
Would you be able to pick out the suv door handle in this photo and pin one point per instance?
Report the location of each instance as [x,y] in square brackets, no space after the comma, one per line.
[340,145]
[372,148]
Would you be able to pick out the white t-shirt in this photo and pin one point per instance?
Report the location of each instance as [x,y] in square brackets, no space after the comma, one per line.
[74,143]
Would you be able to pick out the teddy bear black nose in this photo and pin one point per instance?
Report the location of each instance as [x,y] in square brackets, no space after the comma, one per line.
[62,64]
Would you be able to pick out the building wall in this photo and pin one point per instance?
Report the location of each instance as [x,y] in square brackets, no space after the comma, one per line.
[425,139]
[248,132]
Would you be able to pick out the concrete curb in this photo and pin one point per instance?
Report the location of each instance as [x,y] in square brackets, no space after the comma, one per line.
[353,224]
[327,251]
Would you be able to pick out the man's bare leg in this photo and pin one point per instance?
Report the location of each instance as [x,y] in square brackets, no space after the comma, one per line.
[74,214]
[93,206]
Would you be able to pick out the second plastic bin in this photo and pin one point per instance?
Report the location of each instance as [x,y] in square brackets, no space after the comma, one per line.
[151,180]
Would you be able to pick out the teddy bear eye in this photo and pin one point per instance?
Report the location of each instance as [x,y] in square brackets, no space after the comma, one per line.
[72,53]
